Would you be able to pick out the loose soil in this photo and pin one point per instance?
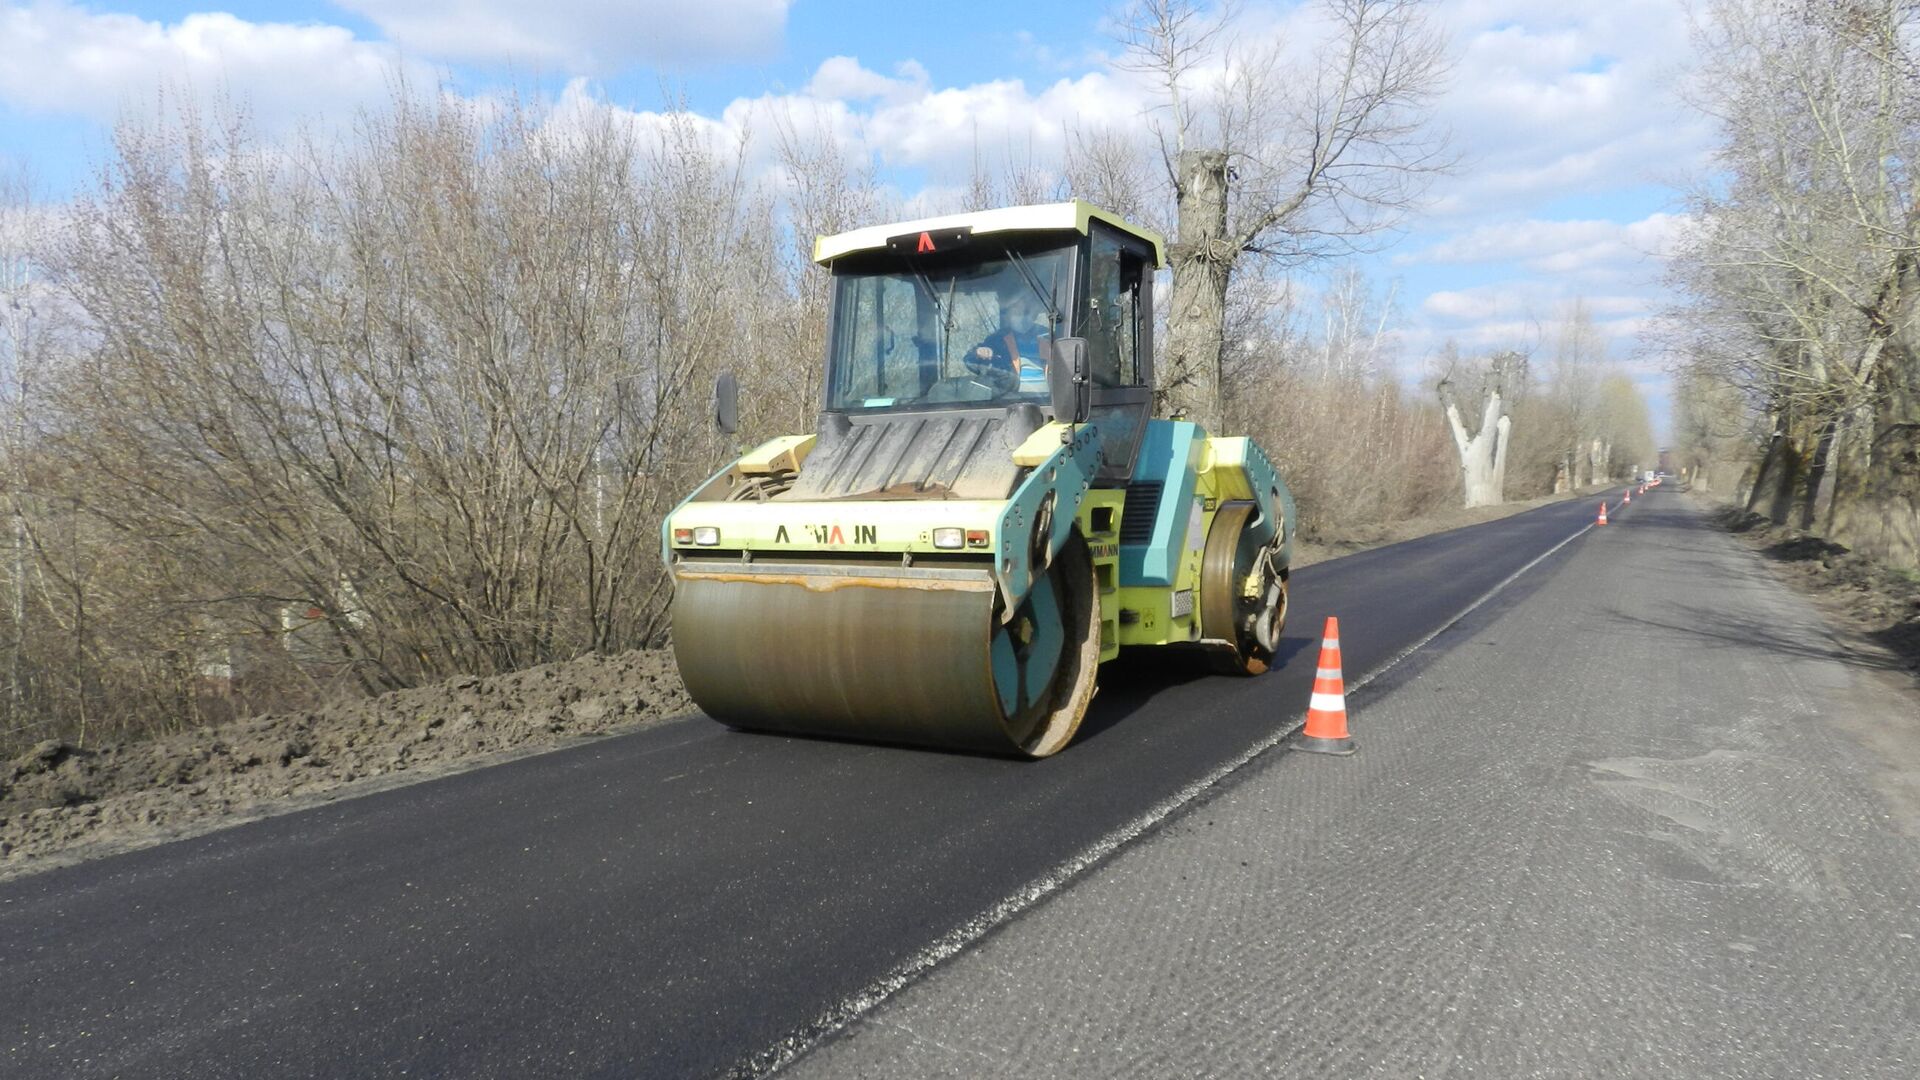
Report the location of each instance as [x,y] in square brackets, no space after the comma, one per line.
[61,804]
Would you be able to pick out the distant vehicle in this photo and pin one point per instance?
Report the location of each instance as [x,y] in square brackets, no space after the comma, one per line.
[1651,476]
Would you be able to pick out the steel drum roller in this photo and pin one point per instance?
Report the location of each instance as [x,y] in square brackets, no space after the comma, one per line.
[918,659]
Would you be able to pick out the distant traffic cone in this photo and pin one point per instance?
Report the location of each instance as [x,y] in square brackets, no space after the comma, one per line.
[1603,513]
[1627,498]
[1326,730]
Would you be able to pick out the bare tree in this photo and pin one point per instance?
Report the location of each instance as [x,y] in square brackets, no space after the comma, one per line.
[1275,163]
[1483,449]
[1579,350]
[1105,167]
[827,192]
[18,331]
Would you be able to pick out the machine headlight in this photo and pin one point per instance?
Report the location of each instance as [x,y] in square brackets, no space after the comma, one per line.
[706,536]
[683,536]
[949,539]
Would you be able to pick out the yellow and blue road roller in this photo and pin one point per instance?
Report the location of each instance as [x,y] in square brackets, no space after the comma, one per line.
[987,511]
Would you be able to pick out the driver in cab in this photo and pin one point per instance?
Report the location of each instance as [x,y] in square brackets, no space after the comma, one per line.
[1019,350]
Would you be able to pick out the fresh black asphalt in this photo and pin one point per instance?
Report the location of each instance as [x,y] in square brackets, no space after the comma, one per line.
[671,902]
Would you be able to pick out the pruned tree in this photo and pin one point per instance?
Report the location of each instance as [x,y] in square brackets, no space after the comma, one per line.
[1483,448]
[1268,161]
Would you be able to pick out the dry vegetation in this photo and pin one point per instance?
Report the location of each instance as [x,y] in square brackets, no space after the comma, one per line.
[358,417]
[1879,603]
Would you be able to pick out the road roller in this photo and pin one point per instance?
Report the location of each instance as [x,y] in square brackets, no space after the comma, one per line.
[987,510]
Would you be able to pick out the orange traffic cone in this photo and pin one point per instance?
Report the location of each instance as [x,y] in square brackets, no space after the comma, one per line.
[1603,513]
[1326,730]
[1627,498]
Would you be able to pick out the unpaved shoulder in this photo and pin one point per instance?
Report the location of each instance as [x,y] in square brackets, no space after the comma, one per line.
[61,804]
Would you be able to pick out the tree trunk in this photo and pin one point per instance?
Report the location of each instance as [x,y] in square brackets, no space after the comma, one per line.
[1777,467]
[1818,472]
[1783,480]
[1876,507]
[1202,256]
[1483,455]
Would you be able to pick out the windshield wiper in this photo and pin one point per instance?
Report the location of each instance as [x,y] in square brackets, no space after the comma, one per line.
[1046,298]
[943,310]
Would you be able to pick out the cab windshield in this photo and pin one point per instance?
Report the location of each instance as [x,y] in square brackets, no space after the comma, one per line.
[975,326]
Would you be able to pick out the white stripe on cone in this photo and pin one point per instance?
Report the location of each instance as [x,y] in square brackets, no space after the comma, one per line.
[1326,673]
[1328,702]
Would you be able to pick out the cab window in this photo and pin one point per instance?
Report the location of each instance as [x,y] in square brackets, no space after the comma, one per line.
[1114,275]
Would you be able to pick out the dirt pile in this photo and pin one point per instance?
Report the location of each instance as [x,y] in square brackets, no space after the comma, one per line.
[61,800]
[1879,602]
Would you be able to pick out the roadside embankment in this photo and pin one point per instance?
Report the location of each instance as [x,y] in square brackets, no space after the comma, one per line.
[1878,603]
[60,803]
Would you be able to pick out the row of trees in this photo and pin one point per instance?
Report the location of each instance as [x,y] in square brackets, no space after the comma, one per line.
[1800,384]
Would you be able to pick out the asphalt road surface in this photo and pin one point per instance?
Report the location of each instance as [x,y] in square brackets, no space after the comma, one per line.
[1640,815]
[684,900]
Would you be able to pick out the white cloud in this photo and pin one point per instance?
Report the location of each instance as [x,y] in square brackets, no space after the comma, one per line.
[1466,305]
[582,35]
[1538,300]
[904,121]
[1555,246]
[841,78]
[1558,97]
[56,57]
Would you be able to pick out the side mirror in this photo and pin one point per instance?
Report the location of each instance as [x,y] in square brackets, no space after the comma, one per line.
[1070,381]
[726,403]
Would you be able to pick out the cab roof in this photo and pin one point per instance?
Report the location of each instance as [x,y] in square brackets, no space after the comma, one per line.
[1075,215]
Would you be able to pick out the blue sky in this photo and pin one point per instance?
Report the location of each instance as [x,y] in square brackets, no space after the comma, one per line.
[1563,112]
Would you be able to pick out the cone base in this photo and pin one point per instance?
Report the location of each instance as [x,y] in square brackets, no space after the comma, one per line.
[1313,744]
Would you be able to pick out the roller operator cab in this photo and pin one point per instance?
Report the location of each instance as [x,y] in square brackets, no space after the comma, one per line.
[987,511]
